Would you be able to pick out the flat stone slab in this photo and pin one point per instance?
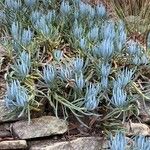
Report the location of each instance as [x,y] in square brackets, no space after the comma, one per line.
[82,143]
[13,144]
[5,130]
[39,127]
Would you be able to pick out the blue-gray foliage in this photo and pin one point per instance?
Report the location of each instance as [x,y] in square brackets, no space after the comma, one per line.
[49,74]
[118,142]
[16,95]
[93,33]
[47,2]
[51,16]
[105,49]
[133,47]
[78,64]
[66,72]
[2,17]
[26,36]
[30,3]
[108,30]
[35,15]
[83,9]
[21,37]
[91,96]
[140,60]
[79,81]
[65,7]
[58,55]
[77,30]
[83,44]
[42,26]
[22,65]
[119,98]
[64,35]
[105,71]
[142,143]
[121,36]
[91,12]
[100,10]
[13,5]
[15,30]
[43,23]
[136,51]
[124,78]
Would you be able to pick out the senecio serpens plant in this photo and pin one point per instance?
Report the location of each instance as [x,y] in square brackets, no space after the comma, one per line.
[72,55]
[120,142]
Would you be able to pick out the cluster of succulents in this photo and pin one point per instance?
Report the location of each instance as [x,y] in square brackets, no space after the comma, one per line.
[69,53]
[120,142]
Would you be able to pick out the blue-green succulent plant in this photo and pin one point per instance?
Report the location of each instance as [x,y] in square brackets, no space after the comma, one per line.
[76,48]
[16,95]
[22,65]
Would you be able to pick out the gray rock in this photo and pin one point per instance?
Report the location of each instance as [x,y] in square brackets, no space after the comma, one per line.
[82,143]
[5,130]
[14,144]
[39,127]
